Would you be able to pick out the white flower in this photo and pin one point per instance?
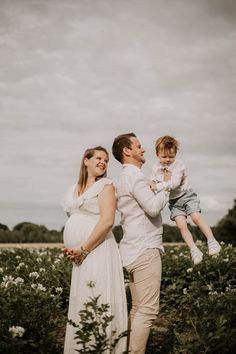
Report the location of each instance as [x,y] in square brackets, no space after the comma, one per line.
[215,255]
[16,331]
[42,269]
[171,251]
[185,291]
[38,287]
[1,270]
[18,257]
[34,275]
[21,265]
[198,242]
[226,260]
[209,287]
[61,255]
[213,293]
[189,270]
[222,243]
[39,259]
[57,261]
[228,288]
[59,290]
[181,254]
[19,280]
[41,287]
[42,253]
[8,279]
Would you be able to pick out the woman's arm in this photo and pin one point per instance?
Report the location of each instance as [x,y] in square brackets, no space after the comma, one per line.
[107,207]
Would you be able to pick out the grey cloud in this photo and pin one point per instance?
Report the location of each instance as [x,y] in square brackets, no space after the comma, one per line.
[84,72]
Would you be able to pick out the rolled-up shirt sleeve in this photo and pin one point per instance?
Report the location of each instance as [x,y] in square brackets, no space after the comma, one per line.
[150,202]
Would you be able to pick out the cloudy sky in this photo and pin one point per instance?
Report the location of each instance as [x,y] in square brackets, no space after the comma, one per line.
[77,73]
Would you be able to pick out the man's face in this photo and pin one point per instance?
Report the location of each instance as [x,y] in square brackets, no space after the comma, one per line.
[137,152]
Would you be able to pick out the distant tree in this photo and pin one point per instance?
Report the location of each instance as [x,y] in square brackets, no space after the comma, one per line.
[26,227]
[4,227]
[32,232]
[226,228]
[171,234]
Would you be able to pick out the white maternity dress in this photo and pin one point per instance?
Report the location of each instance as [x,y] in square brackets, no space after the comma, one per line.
[102,265]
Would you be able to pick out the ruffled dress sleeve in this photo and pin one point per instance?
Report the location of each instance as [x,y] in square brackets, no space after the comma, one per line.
[70,203]
[67,201]
[97,188]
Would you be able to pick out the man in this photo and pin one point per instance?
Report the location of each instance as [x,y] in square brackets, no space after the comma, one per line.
[142,240]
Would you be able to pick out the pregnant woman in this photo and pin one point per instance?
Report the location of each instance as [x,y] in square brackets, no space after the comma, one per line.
[90,244]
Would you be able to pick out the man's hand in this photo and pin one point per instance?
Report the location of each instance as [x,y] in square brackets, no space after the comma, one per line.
[153,185]
[167,175]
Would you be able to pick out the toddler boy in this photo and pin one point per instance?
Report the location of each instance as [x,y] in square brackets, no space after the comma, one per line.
[183,200]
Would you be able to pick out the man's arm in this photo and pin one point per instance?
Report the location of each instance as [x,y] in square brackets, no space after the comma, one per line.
[151,203]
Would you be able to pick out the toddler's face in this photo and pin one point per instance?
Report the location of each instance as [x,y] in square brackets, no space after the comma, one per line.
[166,157]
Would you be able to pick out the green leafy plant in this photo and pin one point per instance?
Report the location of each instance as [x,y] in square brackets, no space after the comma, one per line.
[91,331]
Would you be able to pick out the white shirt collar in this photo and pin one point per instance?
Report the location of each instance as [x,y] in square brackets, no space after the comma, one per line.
[131,166]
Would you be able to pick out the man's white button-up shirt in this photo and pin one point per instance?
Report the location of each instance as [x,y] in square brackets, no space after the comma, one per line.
[140,211]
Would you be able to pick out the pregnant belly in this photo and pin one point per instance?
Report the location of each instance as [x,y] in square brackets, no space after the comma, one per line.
[78,228]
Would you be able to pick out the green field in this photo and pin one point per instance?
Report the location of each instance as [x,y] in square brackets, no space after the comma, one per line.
[198,304]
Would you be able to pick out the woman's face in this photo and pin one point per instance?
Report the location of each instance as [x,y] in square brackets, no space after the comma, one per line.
[97,164]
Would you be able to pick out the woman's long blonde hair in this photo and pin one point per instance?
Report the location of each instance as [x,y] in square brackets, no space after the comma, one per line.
[83,175]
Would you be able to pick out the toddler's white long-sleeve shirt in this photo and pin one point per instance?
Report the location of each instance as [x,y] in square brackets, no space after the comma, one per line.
[178,183]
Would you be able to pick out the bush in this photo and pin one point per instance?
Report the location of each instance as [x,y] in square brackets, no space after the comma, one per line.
[91,331]
[226,228]
[34,295]
[197,312]
[3,227]
[199,301]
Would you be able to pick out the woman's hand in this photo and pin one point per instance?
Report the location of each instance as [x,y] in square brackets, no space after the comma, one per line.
[74,254]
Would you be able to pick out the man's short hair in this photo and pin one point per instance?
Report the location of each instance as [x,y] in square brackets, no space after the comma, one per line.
[120,143]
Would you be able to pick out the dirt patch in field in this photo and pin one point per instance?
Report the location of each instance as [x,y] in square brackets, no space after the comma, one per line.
[31,245]
[59,245]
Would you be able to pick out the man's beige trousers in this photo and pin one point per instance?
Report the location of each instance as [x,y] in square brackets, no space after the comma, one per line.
[145,281]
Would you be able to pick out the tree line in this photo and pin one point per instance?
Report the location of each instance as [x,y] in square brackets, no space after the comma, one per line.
[225,230]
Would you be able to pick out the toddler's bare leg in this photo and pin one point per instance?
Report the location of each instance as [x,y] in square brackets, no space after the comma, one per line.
[181,223]
[213,245]
[195,252]
[201,223]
